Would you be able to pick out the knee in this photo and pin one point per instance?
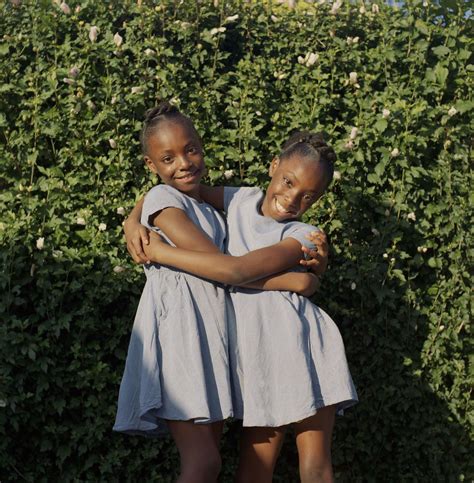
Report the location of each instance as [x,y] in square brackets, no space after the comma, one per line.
[313,471]
[202,467]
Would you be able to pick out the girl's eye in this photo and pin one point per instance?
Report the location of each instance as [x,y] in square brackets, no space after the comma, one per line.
[308,198]
[192,150]
[167,159]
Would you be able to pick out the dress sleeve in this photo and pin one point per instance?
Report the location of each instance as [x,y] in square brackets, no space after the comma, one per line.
[157,199]
[231,196]
[298,231]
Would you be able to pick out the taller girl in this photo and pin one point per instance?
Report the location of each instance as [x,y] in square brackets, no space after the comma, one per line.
[177,371]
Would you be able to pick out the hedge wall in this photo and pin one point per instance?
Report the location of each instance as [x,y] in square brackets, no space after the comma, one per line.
[391,87]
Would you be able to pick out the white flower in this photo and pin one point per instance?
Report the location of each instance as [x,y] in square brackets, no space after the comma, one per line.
[121,210]
[352,40]
[113,100]
[452,111]
[71,82]
[216,30]
[231,18]
[112,143]
[279,75]
[353,286]
[392,260]
[354,132]
[102,227]
[353,77]
[274,18]
[337,175]
[93,32]
[74,72]
[77,9]
[40,243]
[90,105]
[258,113]
[149,52]
[136,90]
[336,6]
[385,255]
[441,328]
[57,253]
[80,221]
[425,3]
[311,58]
[228,173]
[349,144]
[424,249]
[375,8]
[385,113]
[32,269]
[118,39]
[394,153]
[362,10]
[411,216]
[375,232]
[119,269]
[65,8]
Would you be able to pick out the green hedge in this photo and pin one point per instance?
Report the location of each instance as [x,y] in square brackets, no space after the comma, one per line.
[398,214]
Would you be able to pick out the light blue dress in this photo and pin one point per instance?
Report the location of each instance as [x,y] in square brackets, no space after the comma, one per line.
[288,357]
[177,365]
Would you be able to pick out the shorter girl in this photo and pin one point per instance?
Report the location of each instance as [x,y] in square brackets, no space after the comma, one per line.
[289,361]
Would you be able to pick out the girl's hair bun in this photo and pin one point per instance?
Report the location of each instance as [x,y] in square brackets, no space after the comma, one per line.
[163,108]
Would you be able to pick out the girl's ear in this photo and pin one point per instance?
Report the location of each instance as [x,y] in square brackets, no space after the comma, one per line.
[274,166]
[150,164]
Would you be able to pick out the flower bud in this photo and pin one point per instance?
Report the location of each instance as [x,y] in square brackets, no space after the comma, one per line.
[102,227]
[112,143]
[93,32]
[40,243]
[118,39]
[385,113]
[65,8]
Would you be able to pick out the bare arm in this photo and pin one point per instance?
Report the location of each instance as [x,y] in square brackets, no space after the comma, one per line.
[136,235]
[225,268]
[303,283]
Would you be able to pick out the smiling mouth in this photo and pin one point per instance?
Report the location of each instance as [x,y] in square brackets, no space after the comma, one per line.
[189,176]
[281,210]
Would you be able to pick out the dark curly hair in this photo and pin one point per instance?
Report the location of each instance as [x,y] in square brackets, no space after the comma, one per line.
[311,146]
[163,111]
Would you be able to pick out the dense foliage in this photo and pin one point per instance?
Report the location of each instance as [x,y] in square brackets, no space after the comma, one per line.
[391,87]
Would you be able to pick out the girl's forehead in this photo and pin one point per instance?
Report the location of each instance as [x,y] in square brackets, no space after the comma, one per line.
[173,131]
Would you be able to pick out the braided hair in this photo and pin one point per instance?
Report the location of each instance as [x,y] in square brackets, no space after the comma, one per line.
[163,111]
[313,147]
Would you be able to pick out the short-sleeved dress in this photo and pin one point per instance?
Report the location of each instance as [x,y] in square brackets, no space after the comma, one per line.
[177,364]
[288,357]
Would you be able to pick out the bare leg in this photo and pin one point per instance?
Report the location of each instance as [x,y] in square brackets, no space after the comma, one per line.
[198,446]
[259,450]
[313,439]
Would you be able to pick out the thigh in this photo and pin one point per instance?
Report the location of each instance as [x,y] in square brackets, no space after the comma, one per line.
[195,439]
[259,450]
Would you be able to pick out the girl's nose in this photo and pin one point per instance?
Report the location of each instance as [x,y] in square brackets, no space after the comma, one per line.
[184,163]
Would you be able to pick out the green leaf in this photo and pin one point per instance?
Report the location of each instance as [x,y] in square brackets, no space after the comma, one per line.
[381,125]
[441,51]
